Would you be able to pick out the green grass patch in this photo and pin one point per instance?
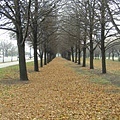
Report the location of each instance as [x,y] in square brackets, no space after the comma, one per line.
[12,71]
[100,80]
[9,78]
[112,77]
[29,64]
[8,71]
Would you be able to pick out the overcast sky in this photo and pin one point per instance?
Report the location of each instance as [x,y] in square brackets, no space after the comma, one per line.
[4,35]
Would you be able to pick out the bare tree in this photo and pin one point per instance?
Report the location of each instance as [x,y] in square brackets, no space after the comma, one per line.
[39,31]
[113,7]
[14,15]
[4,47]
[7,49]
[34,29]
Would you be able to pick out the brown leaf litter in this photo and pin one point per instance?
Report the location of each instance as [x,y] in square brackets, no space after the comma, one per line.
[58,93]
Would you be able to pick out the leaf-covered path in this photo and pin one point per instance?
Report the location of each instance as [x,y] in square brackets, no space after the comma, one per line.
[57,92]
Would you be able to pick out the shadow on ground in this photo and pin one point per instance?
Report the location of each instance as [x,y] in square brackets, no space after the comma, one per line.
[13,82]
[112,78]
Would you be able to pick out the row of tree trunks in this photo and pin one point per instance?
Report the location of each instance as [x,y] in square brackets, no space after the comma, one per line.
[45,57]
[66,55]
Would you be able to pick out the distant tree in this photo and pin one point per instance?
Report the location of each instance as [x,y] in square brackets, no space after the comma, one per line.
[113,48]
[97,53]
[13,51]
[5,47]
[117,49]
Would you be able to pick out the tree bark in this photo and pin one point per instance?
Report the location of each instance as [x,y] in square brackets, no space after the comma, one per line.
[35,55]
[84,53]
[79,56]
[103,36]
[21,54]
[22,63]
[109,55]
[76,53]
[69,55]
[72,53]
[113,55]
[35,37]
[21,44]
[41,59]
[91,50]
[45,54]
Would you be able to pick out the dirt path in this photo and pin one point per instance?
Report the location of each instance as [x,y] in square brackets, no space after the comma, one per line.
[58,93]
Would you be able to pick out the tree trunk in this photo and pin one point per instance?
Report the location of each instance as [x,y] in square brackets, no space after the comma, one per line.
[91,47]
[51,57]
[35,37]
[41,59]
[45,56]
[72,53]
[76,53]
[91,59]
[119,57]
[79,56]
[103,58]
[6,53]
[20,43]
[103,36]
[118,53]
[113,55]
[48,57]
[35,56]
[3,56]
[109,55]
[22,63]
[84,53]
[30,53]
[69,55]
[21,54]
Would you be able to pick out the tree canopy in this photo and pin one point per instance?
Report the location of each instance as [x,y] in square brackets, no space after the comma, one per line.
[74,28]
